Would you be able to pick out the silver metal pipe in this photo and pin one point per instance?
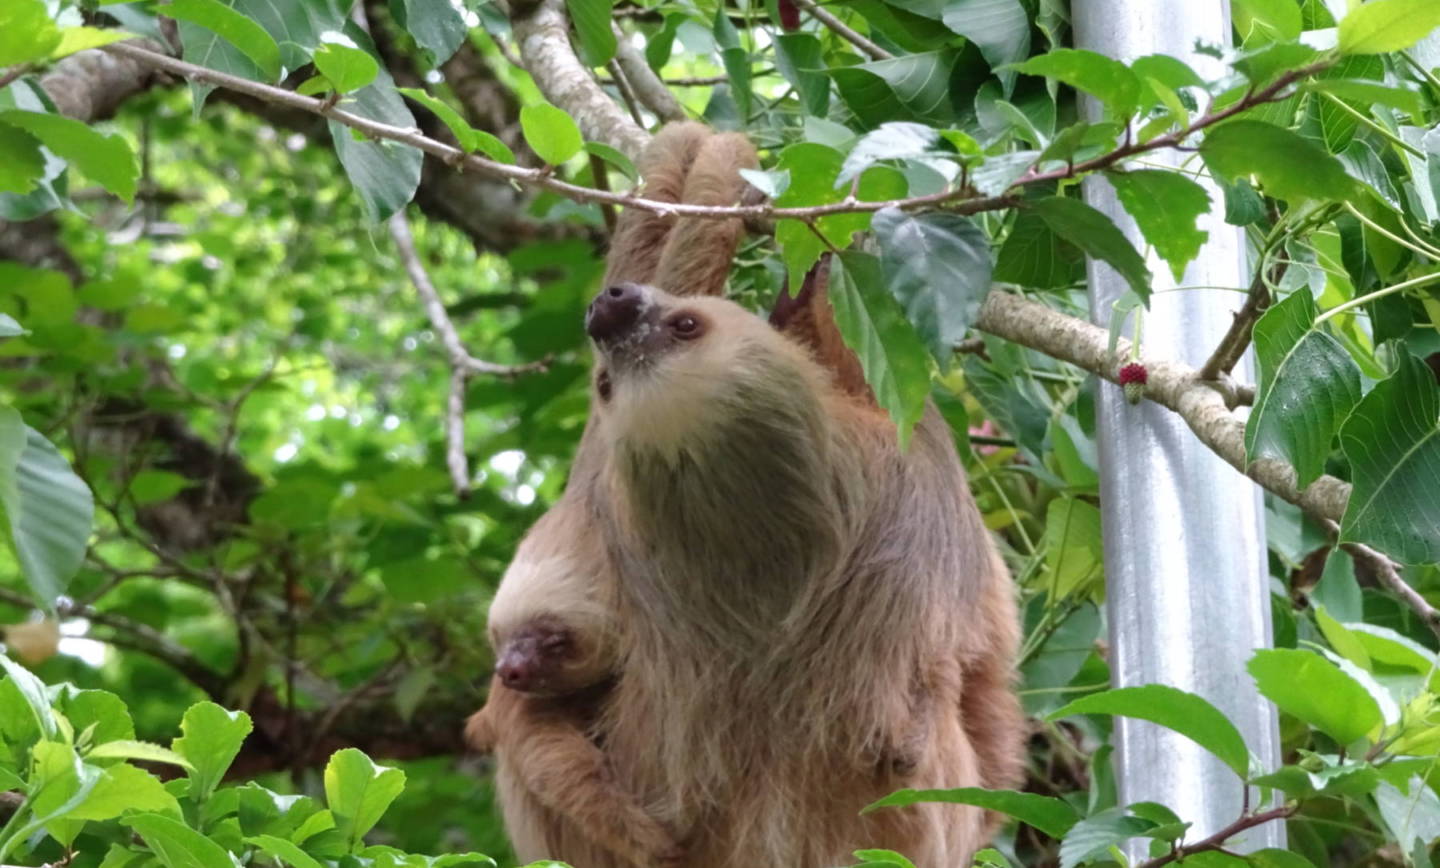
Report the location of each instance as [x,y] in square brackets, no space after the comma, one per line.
[1187,587]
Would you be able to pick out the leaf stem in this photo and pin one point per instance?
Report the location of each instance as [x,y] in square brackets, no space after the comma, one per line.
[1421,248]
[1362,118]
[1377,294]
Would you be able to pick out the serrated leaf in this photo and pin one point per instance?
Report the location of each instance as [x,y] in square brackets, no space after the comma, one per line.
[296,25]
[210,739]
[176,845]
[999,172]
[240,31]
[1097,833]
[1050,815]
[551,133]
[48,509]
[1107,79]
[999,28]
[1382,26]
[910,87]
[1305,685]
[1166,206]
[1190,715]
[32,691]
[1308,385]
[873,325]
[938,267]
[1097,235]
[592,24]
[347,68]
[106,159]
[125,788]
[26,32]
[1033,255]
[1287,166]
[358,792]
[1392,441]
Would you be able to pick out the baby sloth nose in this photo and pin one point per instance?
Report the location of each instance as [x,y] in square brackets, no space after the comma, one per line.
[614,311]
[516,672]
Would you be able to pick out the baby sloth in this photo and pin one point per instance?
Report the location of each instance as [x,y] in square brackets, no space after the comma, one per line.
[553,633]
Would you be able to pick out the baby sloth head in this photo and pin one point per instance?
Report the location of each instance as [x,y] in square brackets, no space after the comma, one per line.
[676,371]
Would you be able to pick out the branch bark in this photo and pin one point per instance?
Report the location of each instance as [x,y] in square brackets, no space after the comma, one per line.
[649,89]
[824,16]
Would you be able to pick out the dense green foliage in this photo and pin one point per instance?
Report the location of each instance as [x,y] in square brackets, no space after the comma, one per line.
[222,406]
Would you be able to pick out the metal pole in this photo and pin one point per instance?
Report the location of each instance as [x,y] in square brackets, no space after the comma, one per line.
[1187,587]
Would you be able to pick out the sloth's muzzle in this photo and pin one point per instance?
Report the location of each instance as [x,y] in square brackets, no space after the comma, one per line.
[615,311]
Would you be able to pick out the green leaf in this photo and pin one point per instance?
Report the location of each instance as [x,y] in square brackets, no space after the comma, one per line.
[26,32]
[437,25]
[250,38]
[1033,255]
[1392,441]
[107,160]
[801,60]
[297,25]
[1306,686]
[1096,834]
[999,28]
[116,293]
[153,486]
[873,325]
[1185,713]
[911,87]
[1095,234]
[284,851]
[176,845]
[551,133]
[32,691]
[385,174]
[1383,26]
[210,739]
[125,788]
[614,157]
[1288,166]
[73,39]
[592,24]
[896,140]
[1166,206]
[468,138]
[1366,93]
[358,792]
[1107,79]
[22,163]
[48,509]
[1074,556]
[139,750]
[347,68]
[101,712]
[1269,20]
[1308,385]
[937,266]
[884,857]
[1050,815]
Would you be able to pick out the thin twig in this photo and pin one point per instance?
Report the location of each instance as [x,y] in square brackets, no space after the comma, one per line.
[627,93]
[1389,575]
[824,16]
[1217,840]
[1237,338]
[684,80]
[960,201]
[13,73]
[646,85]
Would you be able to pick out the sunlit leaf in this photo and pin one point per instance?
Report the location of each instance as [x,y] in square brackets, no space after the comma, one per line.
[106,159]
[1287,166]
[1052,816]
[1387,25]
[1305,685]
[550,132]
[1190,715]
[1166,206]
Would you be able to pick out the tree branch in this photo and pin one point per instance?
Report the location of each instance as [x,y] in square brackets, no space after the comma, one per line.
[647,86]
[1237,338]
[1217,841]
[627,137]
[824,16]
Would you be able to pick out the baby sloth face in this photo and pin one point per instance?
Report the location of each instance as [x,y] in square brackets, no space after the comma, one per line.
[537,658]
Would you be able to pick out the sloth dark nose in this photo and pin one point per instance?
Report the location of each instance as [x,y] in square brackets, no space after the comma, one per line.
[515,672]
[614,311]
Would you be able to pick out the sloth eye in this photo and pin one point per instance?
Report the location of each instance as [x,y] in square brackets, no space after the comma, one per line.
[686,326]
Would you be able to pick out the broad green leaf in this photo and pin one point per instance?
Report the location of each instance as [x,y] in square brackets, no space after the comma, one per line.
[32,691]
[437,25]
[22,163]
[468,138]
[238,30]
[773,184]
[736,61]
[1166,206]
[358,792]
[101,712]
[297,25]
[1096,834]
[73,39]
[1287,166]
[1014,409]
[614,157]
[48,509]
[1305,685]
[873,324]
[884,857]
[385,174]
[1392,440]
[140,750]
[210,738]
[1185,713]
[1268,20]
[937,266]
[1108,80]
[125,788]
[1050,815]
[284,851]
[1074,556]
[909,87]
[1364,93]
[176,845]
[1308,385]
[896,140]
[1272,857]
[801,60]
[26,31]
[592,24]
[1095,234]
[551,133]
[1382,26]
[1034,255]
[107,160]
[999,28]
[347,68]
[998,173]
[153,486]
[1347,779]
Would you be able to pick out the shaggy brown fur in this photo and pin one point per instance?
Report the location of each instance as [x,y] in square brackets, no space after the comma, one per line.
[810,618]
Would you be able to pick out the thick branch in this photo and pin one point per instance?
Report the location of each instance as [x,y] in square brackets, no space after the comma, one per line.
[1237,338]
[1179,387]
[544,37]
[824,16]
[627,136]
[648,88]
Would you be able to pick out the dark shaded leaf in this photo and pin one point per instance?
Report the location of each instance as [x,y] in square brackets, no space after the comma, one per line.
[1097,235]
[937,266]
